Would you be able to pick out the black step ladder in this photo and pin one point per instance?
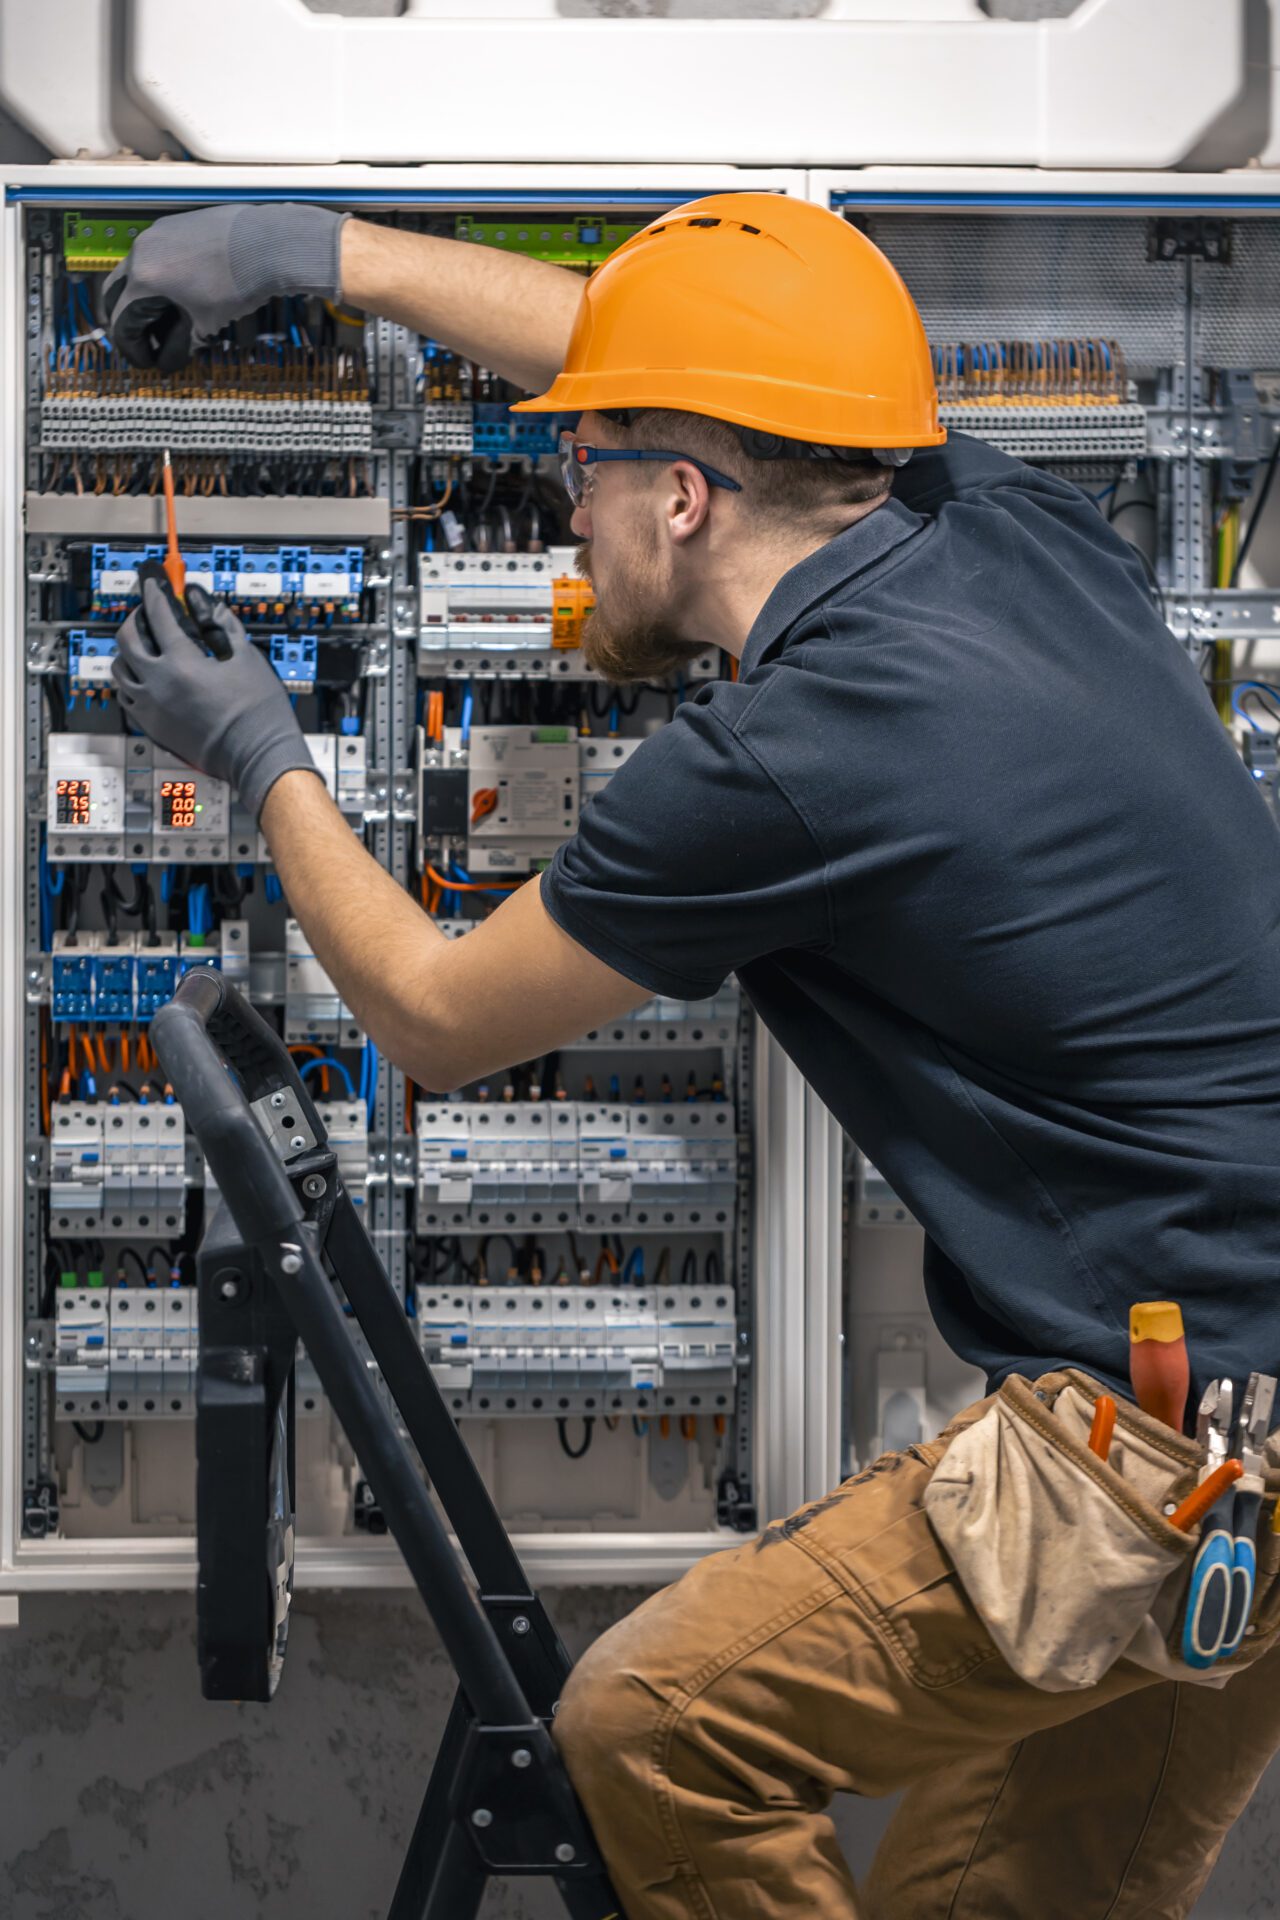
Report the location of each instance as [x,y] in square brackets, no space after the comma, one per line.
[499,1801]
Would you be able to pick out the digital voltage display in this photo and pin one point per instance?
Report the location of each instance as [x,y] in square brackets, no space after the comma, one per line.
[73,803]
[178,803]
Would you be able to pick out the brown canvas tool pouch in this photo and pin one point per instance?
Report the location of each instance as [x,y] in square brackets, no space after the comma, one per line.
[1064,1555]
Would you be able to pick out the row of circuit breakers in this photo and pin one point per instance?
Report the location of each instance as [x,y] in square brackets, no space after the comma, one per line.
[130,1352]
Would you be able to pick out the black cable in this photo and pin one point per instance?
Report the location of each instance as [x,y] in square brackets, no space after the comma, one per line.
[131,1253]
[130,908]
[513,1253]
[90,1439]
[109,901]
[588,1429]
[1138,500]
[1256,515]
[76,881]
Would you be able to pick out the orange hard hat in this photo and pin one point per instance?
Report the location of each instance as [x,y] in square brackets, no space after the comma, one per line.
[767,312]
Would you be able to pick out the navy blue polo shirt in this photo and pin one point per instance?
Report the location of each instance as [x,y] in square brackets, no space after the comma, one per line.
[973,839]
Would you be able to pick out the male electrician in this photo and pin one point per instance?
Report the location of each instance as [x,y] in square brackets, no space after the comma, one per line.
[984,860]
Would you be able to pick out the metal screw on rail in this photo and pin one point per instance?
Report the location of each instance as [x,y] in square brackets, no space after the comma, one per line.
[498,1801]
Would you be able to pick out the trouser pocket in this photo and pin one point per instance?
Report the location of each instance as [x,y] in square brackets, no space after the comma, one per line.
[1063,1555]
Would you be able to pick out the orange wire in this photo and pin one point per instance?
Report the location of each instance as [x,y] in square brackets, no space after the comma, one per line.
[733,668]
[318,1054]
[688,1426]
[103,1061]
[124,1053]
[470,886]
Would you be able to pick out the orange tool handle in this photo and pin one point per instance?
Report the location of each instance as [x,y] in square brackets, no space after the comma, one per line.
[175,566]
[1158,1364]
[1201,1498]
[1104,1425]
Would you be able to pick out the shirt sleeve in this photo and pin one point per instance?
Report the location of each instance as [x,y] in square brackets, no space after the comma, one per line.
[691,862]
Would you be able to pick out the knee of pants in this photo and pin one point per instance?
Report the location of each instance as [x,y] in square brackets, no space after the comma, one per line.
[605,1722]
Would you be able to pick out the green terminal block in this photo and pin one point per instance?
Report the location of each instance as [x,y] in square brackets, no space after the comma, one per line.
[96,1277]
[565,243]
[69,1278]
[552,736]
[95,246]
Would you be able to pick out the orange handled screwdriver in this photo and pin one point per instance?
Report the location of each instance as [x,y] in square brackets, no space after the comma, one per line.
[1158,1364]
[174,565]
[1201,1498]
[1104,1425]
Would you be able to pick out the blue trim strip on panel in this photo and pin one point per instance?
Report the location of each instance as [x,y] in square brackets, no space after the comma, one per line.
[460,197]
[1089,202]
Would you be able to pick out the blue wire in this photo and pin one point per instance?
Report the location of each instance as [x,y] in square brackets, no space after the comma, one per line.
[200,909]
[166,884]
[634,1267]
[273,890]
[466,715]
[327,1060]
[55,887]
[1252,686]
[46,899]
[461,875]
[369,1074]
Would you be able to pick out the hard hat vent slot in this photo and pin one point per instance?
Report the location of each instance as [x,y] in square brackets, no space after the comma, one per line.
[703,221]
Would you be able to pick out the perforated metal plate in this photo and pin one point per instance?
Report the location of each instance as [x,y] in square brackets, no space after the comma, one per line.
[1028,277]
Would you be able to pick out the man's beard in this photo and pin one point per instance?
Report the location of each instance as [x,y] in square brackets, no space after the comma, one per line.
[630,642]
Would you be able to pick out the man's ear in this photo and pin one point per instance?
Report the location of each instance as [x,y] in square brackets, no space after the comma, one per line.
[687,503]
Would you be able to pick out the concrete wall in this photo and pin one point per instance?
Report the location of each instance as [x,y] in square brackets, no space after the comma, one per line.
[125,1796]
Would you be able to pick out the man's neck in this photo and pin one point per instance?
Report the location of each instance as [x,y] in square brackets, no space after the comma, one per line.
[731,595]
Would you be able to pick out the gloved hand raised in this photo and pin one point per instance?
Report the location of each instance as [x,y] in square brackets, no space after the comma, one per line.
[189,275]
[229,716]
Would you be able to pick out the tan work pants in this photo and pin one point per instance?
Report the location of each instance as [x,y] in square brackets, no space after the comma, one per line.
[708,1730]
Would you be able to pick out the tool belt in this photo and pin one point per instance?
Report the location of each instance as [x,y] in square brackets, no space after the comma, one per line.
[1070,1559]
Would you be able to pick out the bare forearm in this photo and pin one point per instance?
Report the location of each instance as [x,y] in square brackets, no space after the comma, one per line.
[445,1011]
[498,309]
[368,935]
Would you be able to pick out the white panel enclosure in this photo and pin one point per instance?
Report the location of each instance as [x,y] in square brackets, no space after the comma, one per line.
[1119,83]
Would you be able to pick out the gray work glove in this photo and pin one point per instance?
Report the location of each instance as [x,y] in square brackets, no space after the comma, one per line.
[187,276]
[228,716]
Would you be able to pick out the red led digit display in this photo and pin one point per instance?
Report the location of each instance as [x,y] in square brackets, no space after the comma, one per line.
[73,803]
[178,803]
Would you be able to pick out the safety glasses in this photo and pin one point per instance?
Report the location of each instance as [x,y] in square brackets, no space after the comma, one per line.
[577,460]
